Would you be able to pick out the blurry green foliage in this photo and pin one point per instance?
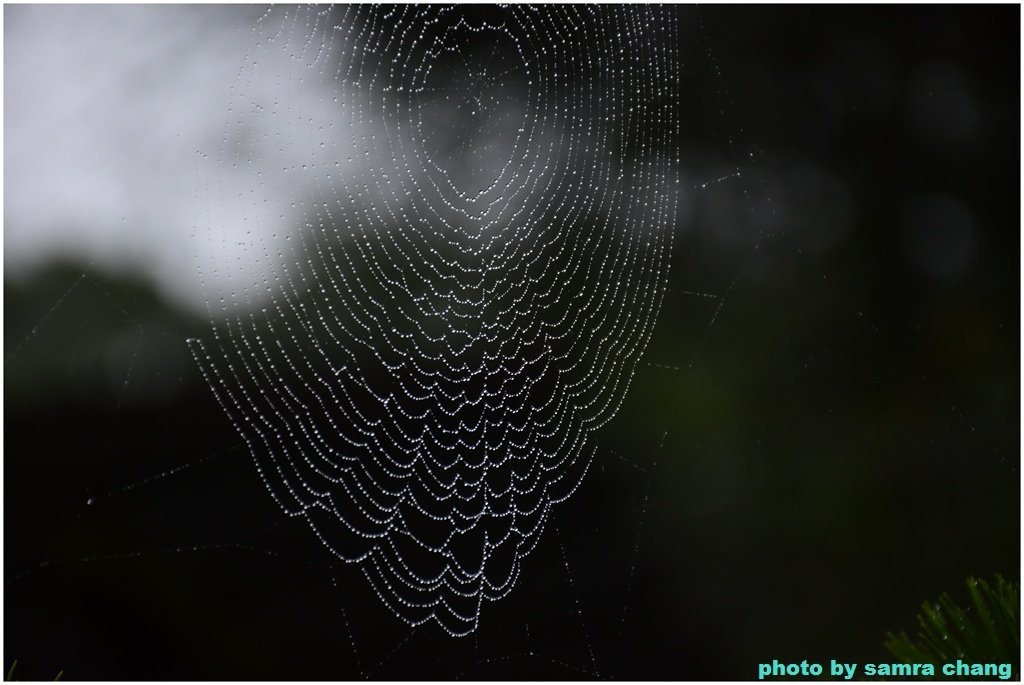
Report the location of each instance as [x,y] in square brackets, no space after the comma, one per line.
[988,631]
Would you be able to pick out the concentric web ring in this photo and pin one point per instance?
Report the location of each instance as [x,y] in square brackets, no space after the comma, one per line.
[431,315]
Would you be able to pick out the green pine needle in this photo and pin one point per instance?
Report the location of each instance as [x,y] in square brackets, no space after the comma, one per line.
[14,667]
[987,631]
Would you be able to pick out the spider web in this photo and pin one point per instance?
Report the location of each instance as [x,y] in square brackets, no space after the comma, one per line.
[418,331]
[471,294]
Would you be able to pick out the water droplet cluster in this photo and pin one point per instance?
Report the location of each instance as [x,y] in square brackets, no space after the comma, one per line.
[450,292]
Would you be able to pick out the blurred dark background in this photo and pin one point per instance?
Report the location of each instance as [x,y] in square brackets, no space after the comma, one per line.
[836,364]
